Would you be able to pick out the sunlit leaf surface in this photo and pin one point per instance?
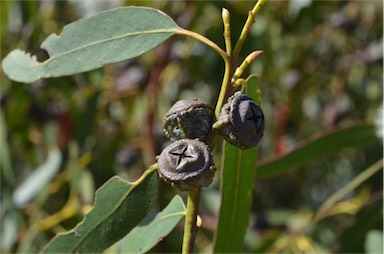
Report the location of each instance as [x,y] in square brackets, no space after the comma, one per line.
[109,37]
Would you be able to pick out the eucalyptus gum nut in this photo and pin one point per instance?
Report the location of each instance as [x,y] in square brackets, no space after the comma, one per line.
[241,121]
[189,119]
[186,163]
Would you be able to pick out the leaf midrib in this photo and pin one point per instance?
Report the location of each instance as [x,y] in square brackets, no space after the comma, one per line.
[173,30]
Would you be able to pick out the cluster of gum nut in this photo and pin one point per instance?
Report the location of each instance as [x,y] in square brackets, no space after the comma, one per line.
[187,162]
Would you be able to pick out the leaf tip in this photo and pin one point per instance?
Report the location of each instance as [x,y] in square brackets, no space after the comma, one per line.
[21,66]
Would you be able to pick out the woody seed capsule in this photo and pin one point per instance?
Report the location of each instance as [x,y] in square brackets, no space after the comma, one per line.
[186,163]
[241,121]
[189,119]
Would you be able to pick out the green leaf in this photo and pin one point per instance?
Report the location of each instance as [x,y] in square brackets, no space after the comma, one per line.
[109,37]
[237,182]
[327,143]
[119,207]
[142,238]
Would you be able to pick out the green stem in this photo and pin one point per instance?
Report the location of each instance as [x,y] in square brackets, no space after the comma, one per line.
[247,26]
[190,227]
[226,88]
[248,60]
[230,60]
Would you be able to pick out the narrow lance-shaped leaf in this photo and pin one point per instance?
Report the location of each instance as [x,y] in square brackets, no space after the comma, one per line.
[237,182]
[119,207]
[109,37]
[142,238]
[318,146]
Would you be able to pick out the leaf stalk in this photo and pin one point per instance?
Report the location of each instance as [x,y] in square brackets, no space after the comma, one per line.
[204,40]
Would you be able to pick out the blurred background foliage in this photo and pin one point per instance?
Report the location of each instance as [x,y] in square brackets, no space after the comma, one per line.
[322,69]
